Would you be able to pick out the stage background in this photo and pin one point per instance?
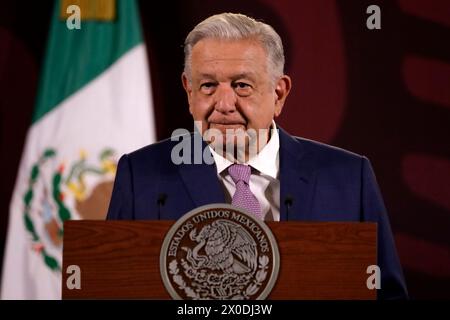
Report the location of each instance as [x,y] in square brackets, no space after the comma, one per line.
[382,93]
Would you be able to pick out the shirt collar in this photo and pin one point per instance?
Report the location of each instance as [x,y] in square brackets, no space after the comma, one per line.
[266,161]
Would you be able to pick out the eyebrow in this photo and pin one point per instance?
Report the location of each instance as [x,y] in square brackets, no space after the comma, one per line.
[244,75]
[206,75]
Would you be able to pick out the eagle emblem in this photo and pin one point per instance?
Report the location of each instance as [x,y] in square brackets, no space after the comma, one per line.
[227,246]
[219,252]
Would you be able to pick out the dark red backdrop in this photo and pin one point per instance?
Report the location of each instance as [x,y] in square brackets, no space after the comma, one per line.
[382,93]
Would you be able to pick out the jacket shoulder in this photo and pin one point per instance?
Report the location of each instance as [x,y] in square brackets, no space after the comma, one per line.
[327,154]
[158,152]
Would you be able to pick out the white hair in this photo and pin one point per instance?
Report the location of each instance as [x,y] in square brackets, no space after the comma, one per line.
[236,26]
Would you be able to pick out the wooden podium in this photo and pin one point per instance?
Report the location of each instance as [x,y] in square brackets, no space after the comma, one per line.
[120,259]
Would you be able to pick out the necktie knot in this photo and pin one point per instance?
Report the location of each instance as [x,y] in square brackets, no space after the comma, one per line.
[240,172]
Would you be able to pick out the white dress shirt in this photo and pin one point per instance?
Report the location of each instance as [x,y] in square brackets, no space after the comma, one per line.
[264,181]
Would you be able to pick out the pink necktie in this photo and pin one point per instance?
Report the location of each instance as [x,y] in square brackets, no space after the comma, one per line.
[244,197]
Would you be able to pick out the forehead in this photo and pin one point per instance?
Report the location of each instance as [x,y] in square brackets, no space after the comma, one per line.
[214,55]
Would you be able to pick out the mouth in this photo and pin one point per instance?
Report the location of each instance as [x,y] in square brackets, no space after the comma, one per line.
[227,125]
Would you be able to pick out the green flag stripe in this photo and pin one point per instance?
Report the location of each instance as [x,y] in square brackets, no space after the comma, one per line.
[75,57]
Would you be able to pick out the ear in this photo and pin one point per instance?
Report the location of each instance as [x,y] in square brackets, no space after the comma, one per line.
[188,88]
[282,89]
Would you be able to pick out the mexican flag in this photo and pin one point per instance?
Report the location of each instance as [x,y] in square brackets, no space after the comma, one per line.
[94,104]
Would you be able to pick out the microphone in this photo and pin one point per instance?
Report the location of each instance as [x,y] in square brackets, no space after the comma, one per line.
[288,201]
[161,202]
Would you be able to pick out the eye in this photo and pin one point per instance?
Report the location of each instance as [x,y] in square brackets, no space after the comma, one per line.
[242,85]
[207,87]
[242,88]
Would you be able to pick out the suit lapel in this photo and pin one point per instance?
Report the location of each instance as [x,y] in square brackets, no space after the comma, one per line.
[201,180]
[297,179]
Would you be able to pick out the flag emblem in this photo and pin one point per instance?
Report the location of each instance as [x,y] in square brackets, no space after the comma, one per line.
[51,193]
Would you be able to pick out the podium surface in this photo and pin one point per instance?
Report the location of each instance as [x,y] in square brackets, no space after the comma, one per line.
[120,259]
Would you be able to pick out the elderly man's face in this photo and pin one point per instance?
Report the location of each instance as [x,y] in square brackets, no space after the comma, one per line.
[230,86]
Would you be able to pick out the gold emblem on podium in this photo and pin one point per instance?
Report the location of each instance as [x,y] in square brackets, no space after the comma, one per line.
[219,252]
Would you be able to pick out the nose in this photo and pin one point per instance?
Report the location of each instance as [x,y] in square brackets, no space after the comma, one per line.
[225,99]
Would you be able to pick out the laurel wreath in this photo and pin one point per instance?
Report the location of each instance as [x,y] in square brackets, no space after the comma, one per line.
[63,212]
[261,275]
[251,289]
[178,279]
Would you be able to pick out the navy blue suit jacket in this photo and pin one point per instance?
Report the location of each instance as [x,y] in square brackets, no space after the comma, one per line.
[324,183]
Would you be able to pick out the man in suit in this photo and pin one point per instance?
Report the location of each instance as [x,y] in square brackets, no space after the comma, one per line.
[235,83]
